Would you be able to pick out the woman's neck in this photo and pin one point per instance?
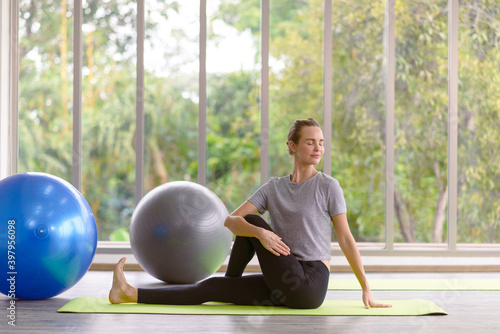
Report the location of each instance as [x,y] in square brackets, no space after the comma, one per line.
[301,174]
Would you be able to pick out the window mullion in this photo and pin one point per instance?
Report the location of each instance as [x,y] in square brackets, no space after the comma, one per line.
[77,95]
[327,86]
[453,12]
[264,93]
[389,33]
[139,104]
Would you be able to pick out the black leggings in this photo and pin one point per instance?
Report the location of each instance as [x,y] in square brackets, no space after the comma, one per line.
[284,280]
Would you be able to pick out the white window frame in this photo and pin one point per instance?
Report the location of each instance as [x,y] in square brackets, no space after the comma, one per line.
[8,88]
[9,117]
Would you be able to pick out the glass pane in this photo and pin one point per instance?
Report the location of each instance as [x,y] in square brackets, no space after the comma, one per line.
[295,74]
[45,87]
[358,116]
[421,116]
[479,123]
[233,122]
[171,92]
[108,112]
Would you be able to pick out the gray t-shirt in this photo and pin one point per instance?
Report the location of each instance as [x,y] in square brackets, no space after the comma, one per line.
[301,212]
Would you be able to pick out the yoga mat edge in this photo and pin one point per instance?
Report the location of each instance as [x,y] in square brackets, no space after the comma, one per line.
[330,307]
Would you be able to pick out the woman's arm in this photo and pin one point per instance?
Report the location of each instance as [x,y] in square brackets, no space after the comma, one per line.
[350,249]
[239,226]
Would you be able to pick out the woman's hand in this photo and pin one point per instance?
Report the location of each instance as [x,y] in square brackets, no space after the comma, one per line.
[369,302]
[273,243]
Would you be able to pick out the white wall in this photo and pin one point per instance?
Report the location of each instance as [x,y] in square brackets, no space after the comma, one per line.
[8,88]
[4,87]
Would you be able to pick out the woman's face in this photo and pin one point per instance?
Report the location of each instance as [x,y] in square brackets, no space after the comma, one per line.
[310,149]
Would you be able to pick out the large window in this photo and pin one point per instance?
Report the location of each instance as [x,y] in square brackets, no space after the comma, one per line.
[108,112]
[45,87]
[216,123]
[358,115]
[171,92]
[479,123]
[421,116]
[295,73]
[233,122]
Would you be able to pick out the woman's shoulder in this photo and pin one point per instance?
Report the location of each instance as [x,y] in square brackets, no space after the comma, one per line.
[328,179]
[279,179]
[274,182]
[329,185]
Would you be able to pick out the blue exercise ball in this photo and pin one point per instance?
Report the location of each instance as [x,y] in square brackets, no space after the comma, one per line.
[177,232]
[48,236]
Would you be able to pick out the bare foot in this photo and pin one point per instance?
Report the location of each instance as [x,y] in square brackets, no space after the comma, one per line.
[121,291]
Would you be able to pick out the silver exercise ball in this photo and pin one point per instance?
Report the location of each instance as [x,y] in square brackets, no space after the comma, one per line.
[177,232]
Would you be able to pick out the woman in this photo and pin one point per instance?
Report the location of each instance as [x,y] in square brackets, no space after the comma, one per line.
[294,254]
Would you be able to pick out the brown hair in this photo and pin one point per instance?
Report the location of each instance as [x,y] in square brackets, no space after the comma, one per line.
[294,133]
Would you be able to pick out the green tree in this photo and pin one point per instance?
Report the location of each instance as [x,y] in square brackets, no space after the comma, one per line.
[479,121]
[359,106]
[233,137]
[421,110]
[296,91]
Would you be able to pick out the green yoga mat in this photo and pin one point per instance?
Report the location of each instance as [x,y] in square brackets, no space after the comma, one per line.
[419,284]
[329,307]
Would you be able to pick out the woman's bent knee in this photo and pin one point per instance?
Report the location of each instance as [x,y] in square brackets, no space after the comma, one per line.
[257,221]
[305,304]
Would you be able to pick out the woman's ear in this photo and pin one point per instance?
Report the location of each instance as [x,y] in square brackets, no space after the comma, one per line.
[292,146]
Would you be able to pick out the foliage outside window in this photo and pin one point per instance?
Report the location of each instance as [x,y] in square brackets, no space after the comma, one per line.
[296,91]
